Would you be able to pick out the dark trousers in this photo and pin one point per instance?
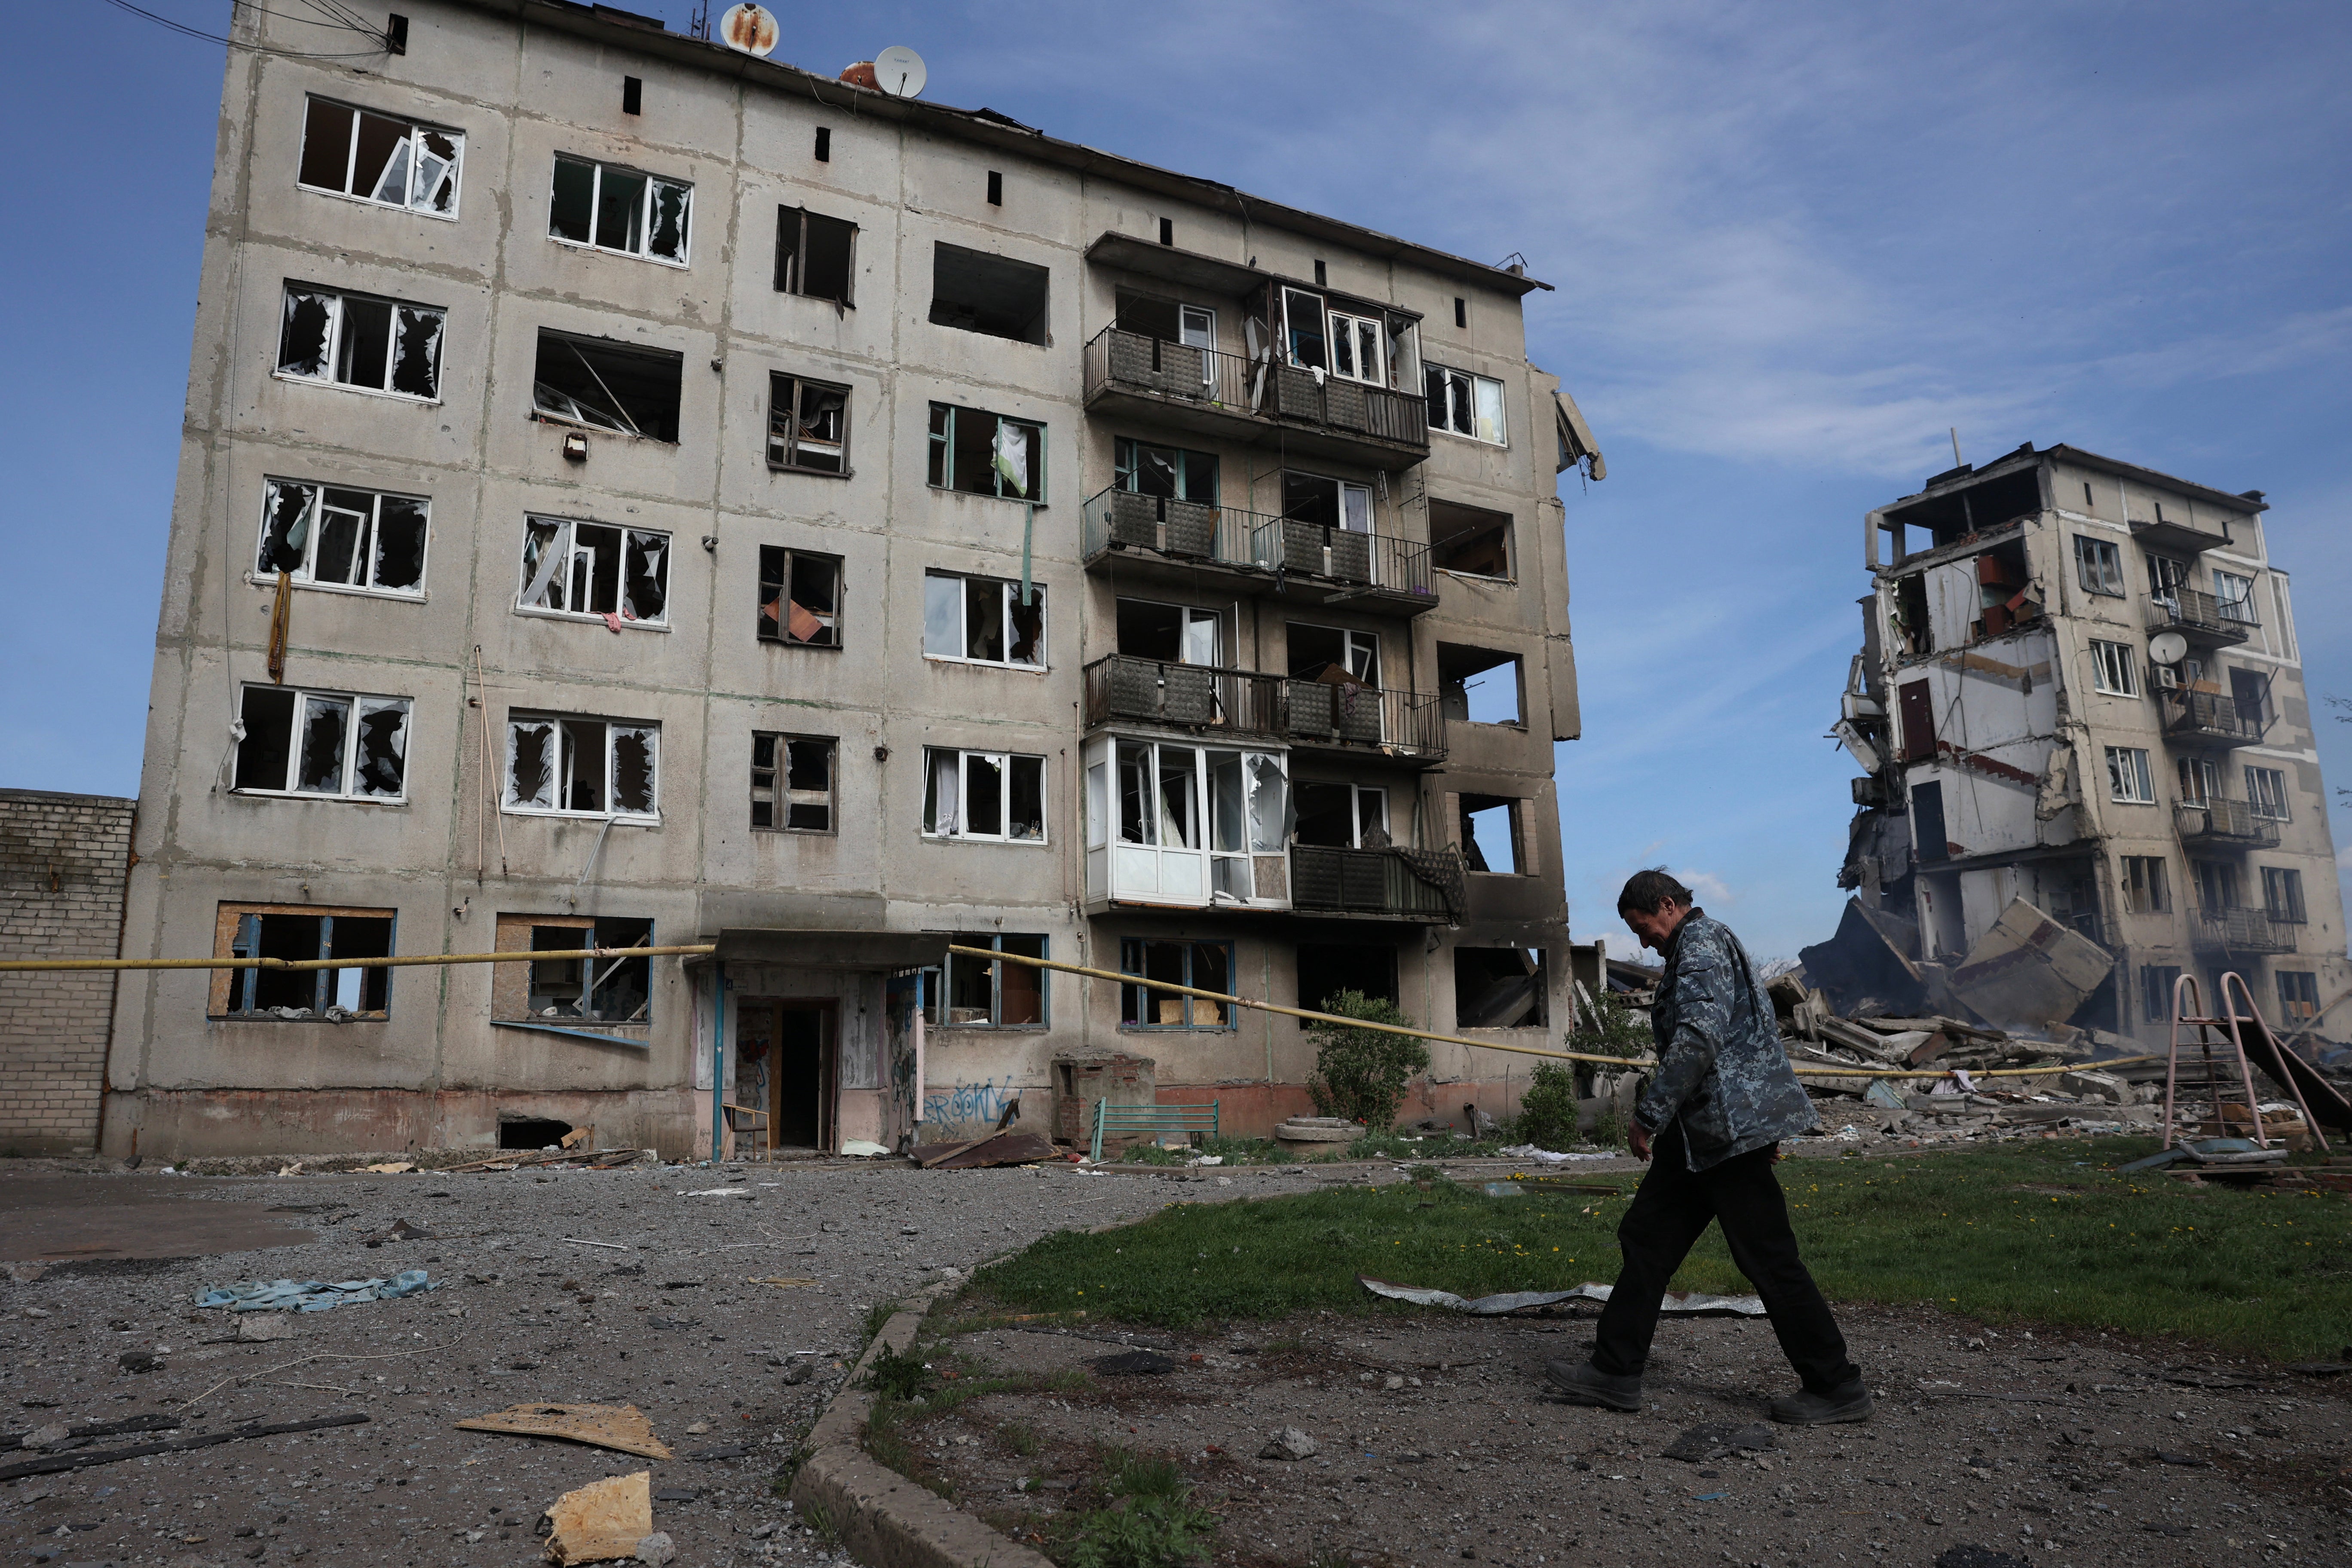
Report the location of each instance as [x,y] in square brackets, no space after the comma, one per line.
[1669,1213]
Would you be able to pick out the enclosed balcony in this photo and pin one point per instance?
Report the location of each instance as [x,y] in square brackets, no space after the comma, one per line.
[2228,931]
[1254,552]
[2205,718]
[2201,618]
[1313,412]
[1322,715]
[2221,821]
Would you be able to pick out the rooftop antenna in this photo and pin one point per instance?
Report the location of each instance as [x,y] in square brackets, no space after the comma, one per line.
[1957,461]
[701,26]
[901,72]
[749,29]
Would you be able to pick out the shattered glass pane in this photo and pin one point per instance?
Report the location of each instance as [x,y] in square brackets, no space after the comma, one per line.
[302,337]
[545,548]
[1028,814]
[983,620]
[399,542]
[326,723]
[417,369]
[633,769]
[809,778]
[620,210]
[285,508]
[530,762]
[382,748]
[668,239]
[568,215]
[267,714]
[983,794]
[1490,410]
[595,568]
[1028,626]
[583,766]
[943,617]
[382,143]
[326,147]
[436,171]
[646,588]
[819,427]
[364,345]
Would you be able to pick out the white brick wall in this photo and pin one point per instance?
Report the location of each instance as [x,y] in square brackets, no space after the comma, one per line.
[63,862]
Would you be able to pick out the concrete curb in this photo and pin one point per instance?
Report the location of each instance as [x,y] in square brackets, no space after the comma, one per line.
[884,1518]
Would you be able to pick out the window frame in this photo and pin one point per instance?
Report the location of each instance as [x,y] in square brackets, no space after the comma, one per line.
[962,833]
[568,546]
[2115,669]
[354,714]
[777,381]
[2302,1005]
[1131,960]
[313,521]
[1435,374]
[1008,591]
[936,978]
[2265,801]
[2145,882]
[939,464]
[787,558]
[511,988]
[413,138]
[330,351]
[1127,470]
[577,418]
[2133,760]
[644,220]
[2283,898]
[1353,336]
[2238,610]
[2156,981]
[561,724]
[798,259]
[2099,566]
[240,986]
[779,776]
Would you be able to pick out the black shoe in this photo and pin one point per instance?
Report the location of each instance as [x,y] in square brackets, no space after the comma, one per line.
[1584,1383]
[1806,1408]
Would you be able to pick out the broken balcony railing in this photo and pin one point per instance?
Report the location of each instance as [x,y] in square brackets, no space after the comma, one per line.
[1345,716]
[2243,930]
[2201,617]
[1260,391]
[2208,716]
[1256,542]
[1331,880]
[2221,820]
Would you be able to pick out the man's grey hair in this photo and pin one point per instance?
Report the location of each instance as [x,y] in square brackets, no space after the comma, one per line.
[1645,891]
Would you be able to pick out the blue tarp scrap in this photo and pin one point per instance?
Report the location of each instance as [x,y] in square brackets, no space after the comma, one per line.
[312,1295]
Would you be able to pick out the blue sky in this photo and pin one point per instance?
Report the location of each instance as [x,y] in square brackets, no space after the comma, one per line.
[1793,245]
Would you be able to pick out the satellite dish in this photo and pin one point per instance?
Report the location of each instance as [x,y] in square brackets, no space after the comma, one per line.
[2167,648]
[750,29]
[901,72]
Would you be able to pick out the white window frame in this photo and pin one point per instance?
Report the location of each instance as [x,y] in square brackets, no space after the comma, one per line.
[2236,608]
[1003,762]
[2099,566]
[2114,668]
[559,725]
[2266,795]
[642,239]
[566,547]
[2127,771]
[1010,593]
[356,706]
[315,510]
[1479,385]
[331,351]
[414,151]
[1347,325]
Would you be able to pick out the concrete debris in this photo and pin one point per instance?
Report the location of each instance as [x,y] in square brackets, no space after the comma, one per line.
[2027,969]
[657,1549]
[863,1149]
[1291,1443]
[260,1328]
[602,1520]
[622,1427]
[1716,1438]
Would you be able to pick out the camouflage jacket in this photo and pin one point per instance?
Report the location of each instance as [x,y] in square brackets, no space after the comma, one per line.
[1720,1065]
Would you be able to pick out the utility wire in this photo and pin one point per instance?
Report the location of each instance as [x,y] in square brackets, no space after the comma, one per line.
[202,36]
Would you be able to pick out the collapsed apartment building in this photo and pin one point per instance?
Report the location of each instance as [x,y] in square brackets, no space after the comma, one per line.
[636,493]
[2088,759]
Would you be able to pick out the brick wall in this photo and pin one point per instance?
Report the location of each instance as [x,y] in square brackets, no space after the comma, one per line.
[63,862]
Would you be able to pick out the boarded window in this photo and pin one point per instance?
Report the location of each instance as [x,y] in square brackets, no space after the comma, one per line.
[380,158]
[360,341]
[793,782]
[2298,992]
[301,933]
[331,537]
[583,767]
[617,209]
[325,745]
[608,385]
[976,292]
[593,570]
[1499,988]
[808,424]
[814,255]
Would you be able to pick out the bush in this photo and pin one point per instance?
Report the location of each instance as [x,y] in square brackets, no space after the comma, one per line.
[1547,1110]
[1361,1074]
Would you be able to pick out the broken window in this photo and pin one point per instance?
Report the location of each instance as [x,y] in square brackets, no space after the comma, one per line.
[2298,994]
[610,208]
[1326,653]
[2129,779]
[813,255]
[608,385]
[593,570]
[2098,565]
[2250,696]
[975,292]
[2114,668]
[793,782]
[1479,685]
[1358,348]
[2201,781]
[1499,988]
[2283,894]
[1470,540]
[799,597]
[1177,634]
[1490,833]
[1464,403]
[984,994]
[331,537]
[2156,982]
[360,341]
[1205,965]
[2216,884]
[1326,502]
[986,454]
[583,767]
[2266,793]
[1327,970]
[2233,597]
[1343,815]
[379,158]
[808,424]
[983,794]
[302,934]
[327,744]
[2145,891]
[981,620]
[1306,341]
[612,988]
[1171,472]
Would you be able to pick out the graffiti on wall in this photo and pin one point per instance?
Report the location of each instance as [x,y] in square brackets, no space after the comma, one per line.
[967,1110]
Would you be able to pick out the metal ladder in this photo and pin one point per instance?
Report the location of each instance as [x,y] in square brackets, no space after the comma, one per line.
[2218,1045]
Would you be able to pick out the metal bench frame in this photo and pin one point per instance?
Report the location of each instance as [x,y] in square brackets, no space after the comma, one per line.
[1152,1121]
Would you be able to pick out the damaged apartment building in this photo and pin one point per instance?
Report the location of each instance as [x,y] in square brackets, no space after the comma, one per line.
[2079,688]
[639,494]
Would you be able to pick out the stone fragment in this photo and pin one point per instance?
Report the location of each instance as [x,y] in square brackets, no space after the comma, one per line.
[657,1549]
[1291,1443]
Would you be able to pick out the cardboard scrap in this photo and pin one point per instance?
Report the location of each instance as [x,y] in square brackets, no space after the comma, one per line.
[620,1426]
[601,1521]
[390,1168]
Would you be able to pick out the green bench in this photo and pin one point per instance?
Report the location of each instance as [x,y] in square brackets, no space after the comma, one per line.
[1154,1122]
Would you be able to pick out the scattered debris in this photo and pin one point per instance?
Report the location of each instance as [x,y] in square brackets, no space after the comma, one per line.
[1715,1438]
[719,1193]
[726,1451]
[657,1549]
[604,1520]
[785,1281]
[1291,1443]
[862,1148]
[1677,1303]
[139,1361]
[1009,1146]
[58,1436]
[619,1426]
[260,1328]
[400,1230]
[1132,1363]
[83,1458]
[1529,1151]
[312,1295]
[26,1273]
[390,1168]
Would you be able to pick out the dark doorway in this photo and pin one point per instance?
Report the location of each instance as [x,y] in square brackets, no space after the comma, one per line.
[802,1073]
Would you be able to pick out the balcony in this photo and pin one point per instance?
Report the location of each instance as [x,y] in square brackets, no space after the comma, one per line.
[2223,821]
[1378,883]
[2243,931]
[1224,394]
[2201,618]
[1255,553]
[2209,718]
[1364,722]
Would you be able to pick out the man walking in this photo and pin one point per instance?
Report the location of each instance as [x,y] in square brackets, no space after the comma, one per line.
[1720,1103]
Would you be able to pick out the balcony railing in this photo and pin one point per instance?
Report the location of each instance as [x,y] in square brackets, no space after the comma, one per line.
[1259,390]
[2201,617]
[2221,820]
[1361,882]
[1254,542]
[2208,716]
[1196,697]
[2243,930]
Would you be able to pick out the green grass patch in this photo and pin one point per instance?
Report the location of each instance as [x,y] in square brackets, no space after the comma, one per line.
[2044,1234]
[1150,1520]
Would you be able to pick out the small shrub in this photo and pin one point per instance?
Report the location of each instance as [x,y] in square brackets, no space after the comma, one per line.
[1362,1073]
[820,1522]
[1021,1437]
[1547,1110]
[1150,1532]
[899,1375]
